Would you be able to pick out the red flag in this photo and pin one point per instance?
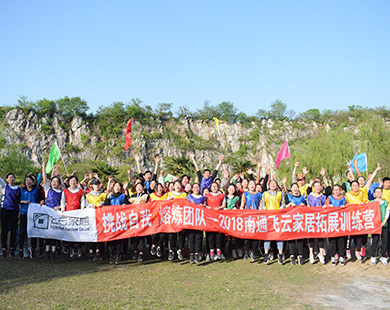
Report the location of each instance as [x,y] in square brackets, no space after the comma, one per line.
[283,154]
[129,129]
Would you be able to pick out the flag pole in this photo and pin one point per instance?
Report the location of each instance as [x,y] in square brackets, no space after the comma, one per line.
[67,173]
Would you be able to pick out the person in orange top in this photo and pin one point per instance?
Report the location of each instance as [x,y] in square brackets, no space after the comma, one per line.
[356,196]
[158,239]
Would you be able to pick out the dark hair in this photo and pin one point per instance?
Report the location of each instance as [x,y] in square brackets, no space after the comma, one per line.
[295,183]
[28,177]
[377,188]
[217,179]
[177,181]
[148,171]
[196,183]
[117,182]
[162,186]
[205,189]
[205,170]
[315,183]
[10,174]
[355,181]
[56,177]
[385,179]
[184,176]
[73,177]
[360,176]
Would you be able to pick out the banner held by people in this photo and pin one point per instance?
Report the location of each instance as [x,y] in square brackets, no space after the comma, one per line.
[119,222]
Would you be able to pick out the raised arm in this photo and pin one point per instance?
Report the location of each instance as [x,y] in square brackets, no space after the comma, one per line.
[157,160]
[355,163]
[136,157]
[220,162]
[325,180]
[284,181]
[44,175]
[259,165]
[294,174]
[372,177]
[192,156]
[350,168]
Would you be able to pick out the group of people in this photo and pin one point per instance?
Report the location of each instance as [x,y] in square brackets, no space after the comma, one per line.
[238,191]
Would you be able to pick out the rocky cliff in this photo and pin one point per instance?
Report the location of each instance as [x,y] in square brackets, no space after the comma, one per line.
[79,140]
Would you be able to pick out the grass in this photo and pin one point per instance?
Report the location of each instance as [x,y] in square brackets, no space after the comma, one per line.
[154,284]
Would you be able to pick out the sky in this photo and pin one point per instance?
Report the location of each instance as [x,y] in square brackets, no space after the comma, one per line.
[308,54]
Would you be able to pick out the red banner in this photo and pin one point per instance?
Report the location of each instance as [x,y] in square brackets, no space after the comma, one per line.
[120,222]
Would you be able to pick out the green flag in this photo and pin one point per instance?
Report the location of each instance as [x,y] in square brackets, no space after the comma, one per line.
[54,156]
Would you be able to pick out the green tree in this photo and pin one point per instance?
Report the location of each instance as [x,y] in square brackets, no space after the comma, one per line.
[226,111]
[179,165]
[311,114]
[278,110]
[71,107]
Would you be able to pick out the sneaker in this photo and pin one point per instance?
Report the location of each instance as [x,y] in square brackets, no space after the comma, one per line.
[41,252]
[21,254]
[25,253]
[158,252]
[53,256]
[293,261]
[11,252]
[271,256]
[135,256]
[336,256]
[79,253]
[266,258]
[342,261]
[179,255]
[311,259]
[208,258]
[31,253]
[216,256]
[333,261]
[72,253]
[98,256]
[301,260]
[349,256]
[363,251]
[47,256]
[384,261]
[118,259]
[192,259]
[112,259]
[373,261]
[221,256]
[140,258]
[280,259]
[322,259]
[246,256]
[90,257]
[153,250]
[171,255]
[234,254]
[253,256]
[4,253]
[197,258]
[212,255]
[65,250]
[358,255]
[240,253]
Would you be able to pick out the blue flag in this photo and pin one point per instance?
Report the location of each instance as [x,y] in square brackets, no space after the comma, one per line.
[362,162]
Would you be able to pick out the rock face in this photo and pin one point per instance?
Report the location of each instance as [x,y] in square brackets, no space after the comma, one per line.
[79,141]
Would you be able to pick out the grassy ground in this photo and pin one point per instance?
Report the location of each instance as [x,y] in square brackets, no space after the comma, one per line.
[156,284]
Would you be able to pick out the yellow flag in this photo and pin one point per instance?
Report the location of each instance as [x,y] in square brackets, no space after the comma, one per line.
[217,123]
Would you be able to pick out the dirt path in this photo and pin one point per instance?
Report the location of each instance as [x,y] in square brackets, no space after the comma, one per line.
[359,286]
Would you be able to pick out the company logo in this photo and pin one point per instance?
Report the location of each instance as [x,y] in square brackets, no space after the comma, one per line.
[41,220]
